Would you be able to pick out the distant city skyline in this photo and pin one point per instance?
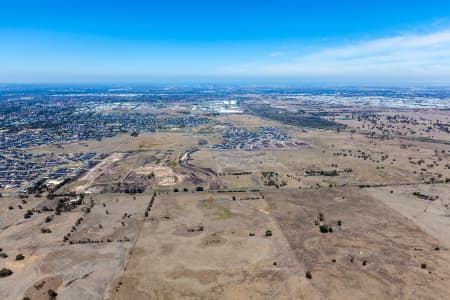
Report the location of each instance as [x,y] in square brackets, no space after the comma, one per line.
[267,41]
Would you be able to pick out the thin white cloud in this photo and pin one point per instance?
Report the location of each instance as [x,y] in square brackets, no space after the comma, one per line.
[277,54]
[412,55]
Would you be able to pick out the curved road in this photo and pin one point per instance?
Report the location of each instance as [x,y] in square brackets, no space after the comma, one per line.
[184,161]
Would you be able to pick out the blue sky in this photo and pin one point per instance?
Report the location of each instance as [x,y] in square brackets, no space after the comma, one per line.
[384,42]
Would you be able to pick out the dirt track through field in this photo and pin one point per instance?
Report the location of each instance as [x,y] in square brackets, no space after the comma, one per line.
[96,171]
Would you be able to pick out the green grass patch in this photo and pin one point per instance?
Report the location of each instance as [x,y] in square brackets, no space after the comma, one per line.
[208,203]
[224,213]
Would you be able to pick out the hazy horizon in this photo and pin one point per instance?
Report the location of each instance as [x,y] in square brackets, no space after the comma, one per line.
[383,43]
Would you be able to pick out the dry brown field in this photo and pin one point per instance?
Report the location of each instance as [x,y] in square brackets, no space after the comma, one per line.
[349,217]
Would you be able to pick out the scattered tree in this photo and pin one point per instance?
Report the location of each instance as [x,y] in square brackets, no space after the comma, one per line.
[52,294]
[5,272]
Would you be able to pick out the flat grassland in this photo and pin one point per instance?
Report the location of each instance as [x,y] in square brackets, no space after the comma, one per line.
[348,217]
[372,251]
[81,267]
[200,246]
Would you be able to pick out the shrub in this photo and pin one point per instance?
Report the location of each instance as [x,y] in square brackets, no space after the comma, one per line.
[321,217]
[45,230]
[28,214]
[20,256]
[308,275]
[52,294]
